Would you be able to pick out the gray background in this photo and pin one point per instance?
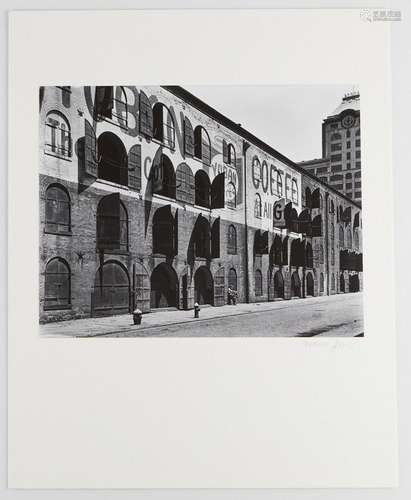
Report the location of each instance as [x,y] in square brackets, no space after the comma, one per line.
[401,82]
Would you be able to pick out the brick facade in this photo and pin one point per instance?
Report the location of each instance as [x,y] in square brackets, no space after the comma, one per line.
[129,271]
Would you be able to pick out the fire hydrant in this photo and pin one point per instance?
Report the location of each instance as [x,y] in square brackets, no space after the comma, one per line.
[137,315]
[196,310]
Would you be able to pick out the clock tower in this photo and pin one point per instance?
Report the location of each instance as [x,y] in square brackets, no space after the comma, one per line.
[341,145]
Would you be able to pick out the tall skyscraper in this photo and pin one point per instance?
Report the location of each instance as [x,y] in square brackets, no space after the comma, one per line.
[340,165]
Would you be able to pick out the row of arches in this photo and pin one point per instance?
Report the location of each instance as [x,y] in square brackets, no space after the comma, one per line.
[112,163]
[113,226]
[158,121]
[301,223]
[301,251]
[113,290]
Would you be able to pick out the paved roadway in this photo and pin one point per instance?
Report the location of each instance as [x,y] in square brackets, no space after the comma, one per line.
[334,316]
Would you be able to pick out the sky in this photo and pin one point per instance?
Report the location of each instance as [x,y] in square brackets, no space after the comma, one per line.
[288,118]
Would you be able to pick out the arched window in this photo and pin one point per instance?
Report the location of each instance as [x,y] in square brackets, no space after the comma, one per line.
[232,278]
[258,283]
[321,254]
[340,213]
[357,133]
[164,178]
[202,237]
[297,253]
[111,105]
[257,206]
[321,283]
[231,195]
[349,238]
[164,235]
[202,189]
[356,240]
[231,155]
[294,191]
[332,207]
[112,159]
[58,135]
[308,255]
[232,240]
[279,184]
[57,294]
[285,251]
[185,185]
[112,224]
[332,282]
[163,125]
[341,236]
[202,145]
[277,250]
[58,218]
[308,197]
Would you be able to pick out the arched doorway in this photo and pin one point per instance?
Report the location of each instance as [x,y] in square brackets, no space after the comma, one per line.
[295,285]
[310,285]
[164,287]
[342,283]
[203,286]
[354,284]
[111,293]
[278,285]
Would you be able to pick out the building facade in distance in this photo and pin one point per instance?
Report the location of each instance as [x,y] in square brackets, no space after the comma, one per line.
[340,165]
[150,198]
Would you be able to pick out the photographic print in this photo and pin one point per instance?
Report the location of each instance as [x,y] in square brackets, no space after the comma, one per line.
[160,215]
[203,307]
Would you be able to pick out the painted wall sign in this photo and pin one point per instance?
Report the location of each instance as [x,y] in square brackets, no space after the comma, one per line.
[278,213]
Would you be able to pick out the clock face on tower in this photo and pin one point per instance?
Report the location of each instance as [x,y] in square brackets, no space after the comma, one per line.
[348,121]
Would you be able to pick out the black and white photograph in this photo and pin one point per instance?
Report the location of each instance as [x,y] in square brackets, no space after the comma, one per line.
[200,211]
[203,256]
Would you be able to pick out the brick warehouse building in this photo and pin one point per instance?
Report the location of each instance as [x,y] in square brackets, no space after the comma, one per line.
[150,198]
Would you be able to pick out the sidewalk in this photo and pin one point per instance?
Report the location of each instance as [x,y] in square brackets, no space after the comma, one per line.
[92,327]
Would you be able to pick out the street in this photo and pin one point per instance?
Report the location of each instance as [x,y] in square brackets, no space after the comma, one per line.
[332,316]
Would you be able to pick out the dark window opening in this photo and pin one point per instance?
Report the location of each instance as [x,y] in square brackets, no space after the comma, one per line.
[163,178]
[277,257]
[202,146]
[164,232]
[58,218]
[308,255]
[202,238]
[112,159]
[232,240]
[202,189]
[111,105]
[163,125]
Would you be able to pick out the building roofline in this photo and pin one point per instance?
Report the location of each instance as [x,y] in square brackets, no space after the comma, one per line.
[245,134]
[313,161]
